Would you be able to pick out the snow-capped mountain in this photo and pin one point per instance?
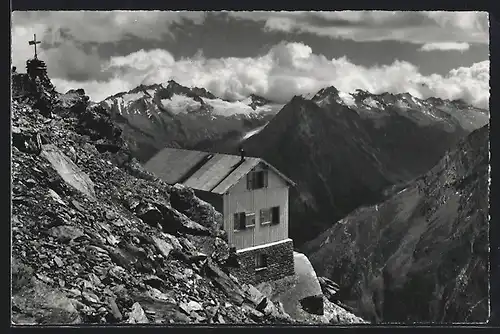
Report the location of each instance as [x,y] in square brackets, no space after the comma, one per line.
[175,99]
[424,112]
[171,114]
[344,150]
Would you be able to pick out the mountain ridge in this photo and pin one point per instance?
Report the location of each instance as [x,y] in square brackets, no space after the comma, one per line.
[427,243]
[158,115]
[343,155]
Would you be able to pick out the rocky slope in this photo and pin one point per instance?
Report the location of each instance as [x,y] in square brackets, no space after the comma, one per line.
[96,239]
[344,150]
[421,255]
[155,116]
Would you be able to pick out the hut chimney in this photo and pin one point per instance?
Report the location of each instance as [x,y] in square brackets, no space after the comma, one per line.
[242,153]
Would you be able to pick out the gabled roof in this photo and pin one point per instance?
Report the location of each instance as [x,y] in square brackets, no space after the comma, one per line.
[211,172]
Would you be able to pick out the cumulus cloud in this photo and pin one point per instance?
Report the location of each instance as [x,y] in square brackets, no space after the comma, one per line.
[445,46]
[104,26]
[288,69]
[413,27]
[69,31]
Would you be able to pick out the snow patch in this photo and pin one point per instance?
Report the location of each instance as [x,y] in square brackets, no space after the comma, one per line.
[247,101]
[371,102]
[151,92]
[180,104]
[225,108]
[403,190]
[128,98]
[347,99]
[402,104]
[428,113]
[253,132]
[118,102]
[308,284]
[416,101]
[269,108]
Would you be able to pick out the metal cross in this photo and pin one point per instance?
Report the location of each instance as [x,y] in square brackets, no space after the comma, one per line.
[34,42]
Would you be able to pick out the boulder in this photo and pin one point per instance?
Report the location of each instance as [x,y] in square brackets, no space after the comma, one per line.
[163,246]
[68,171]
[226,284]
[46,304]
[329,288]
[137,315]
[174,221]
[148,213]
[65,233]
[255,296]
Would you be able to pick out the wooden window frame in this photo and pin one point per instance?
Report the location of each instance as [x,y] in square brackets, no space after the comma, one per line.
[248,221]
[273,217]
[261,217]
[257,179]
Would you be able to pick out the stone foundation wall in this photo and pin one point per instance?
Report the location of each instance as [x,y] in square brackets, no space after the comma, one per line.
[279,263]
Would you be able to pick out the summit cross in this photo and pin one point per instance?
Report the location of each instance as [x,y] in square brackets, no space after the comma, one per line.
[34,42]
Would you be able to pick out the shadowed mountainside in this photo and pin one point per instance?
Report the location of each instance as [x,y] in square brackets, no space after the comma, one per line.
[421,255]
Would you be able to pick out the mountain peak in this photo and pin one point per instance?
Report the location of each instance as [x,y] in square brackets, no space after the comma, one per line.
[258,101]
[324,92]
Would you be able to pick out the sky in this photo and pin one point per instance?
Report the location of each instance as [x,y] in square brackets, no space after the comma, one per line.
[272,54]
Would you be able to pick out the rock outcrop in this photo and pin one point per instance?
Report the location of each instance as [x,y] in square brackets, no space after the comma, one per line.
[97,239]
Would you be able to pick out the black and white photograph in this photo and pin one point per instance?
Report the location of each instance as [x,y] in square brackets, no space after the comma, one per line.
[267,168]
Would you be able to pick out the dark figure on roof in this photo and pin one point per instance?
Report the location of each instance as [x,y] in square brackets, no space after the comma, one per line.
[242,153]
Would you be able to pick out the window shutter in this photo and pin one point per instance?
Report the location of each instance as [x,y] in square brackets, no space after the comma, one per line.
[243,224]
[265,178]
[275,215]
[236,221]
[249,180]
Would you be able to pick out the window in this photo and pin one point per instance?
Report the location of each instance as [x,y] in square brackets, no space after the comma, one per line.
[270,216]
[260,261]
[265,216]
[250,219]
[243,220]
[257,179]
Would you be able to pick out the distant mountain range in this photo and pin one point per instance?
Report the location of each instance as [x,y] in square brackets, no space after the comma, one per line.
[155,116]
[421,255]
[343,150]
